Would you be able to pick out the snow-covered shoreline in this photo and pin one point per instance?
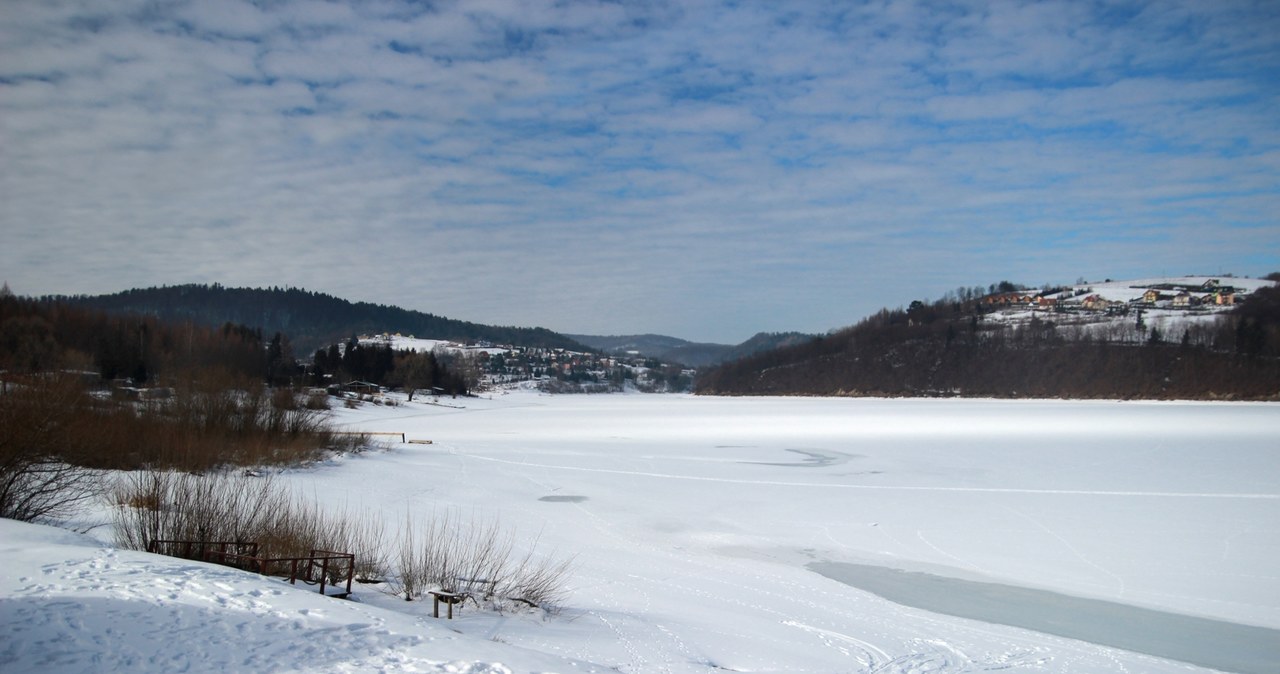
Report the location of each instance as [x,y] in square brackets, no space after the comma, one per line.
[71,604]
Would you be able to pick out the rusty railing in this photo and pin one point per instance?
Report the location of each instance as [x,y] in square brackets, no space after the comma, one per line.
[325,568]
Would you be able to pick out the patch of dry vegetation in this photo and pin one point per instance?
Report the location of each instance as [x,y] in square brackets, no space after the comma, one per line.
[445,552]
[171,506]
[477,558]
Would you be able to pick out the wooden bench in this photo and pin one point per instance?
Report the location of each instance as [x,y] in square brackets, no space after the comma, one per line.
[449,598]
[464,589]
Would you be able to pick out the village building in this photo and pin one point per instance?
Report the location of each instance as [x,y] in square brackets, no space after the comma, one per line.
[1095,303]
[1008,299]
[359,388]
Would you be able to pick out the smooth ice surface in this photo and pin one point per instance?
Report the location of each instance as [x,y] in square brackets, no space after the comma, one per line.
[692,522]
[1210,643]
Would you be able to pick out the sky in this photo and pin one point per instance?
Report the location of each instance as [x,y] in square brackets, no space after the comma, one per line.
[701,169]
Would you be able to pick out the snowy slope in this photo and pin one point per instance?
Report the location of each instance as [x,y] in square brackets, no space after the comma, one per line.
[419,345]
[71,604]
[1128,291]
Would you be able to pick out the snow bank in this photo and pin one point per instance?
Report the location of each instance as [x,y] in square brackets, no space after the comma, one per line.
[70,604]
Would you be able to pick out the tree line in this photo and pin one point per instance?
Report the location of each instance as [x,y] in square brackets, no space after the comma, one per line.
[379,364]
[44,335]
[946,348]
[39,335]
[81,390]
[311,319]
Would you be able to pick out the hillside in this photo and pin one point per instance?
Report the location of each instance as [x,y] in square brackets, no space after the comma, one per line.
[692,354]
[310,319]
[1185,338]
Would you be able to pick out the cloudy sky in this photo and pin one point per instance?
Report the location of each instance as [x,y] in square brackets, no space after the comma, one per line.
[700,169]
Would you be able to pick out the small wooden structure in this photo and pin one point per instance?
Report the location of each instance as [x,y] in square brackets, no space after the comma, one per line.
[449,598]
[467,588]
[392,434]
[326,568]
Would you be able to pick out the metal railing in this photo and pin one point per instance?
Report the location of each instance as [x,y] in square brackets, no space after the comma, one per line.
[325,568]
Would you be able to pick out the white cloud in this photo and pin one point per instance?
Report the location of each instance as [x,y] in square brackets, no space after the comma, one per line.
[714,162]
[229,18]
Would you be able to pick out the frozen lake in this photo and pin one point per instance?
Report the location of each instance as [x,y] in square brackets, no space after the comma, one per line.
[1211,643]
[694,521]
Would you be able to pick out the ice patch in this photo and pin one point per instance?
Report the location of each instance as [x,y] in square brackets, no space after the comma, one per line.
[1200,641]
[566,498]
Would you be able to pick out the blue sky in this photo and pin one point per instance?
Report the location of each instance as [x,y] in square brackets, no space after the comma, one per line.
[700,169]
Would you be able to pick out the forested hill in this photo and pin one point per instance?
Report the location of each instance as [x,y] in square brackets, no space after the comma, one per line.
[965,347]
[310,319]
[692,354]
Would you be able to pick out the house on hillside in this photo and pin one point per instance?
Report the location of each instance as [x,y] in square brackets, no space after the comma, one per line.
[1095,303]
[1224,298]
[1008,299]
[359,388]
[1152,296]
[143,394]
[1184,300]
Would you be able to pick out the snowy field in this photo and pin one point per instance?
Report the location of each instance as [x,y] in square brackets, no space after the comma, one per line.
[716,534]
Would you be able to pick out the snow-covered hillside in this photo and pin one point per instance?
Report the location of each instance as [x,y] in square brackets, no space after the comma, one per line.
[717,534]
[1133,290]
[419,345]
[1126,310]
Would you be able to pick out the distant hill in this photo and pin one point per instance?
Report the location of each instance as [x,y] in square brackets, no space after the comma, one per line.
[309,319]
[692,354]
[1183,338]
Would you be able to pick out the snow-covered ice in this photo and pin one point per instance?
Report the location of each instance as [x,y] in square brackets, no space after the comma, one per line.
[696,524]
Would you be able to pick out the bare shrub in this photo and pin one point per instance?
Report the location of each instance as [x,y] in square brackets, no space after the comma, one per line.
[349,442]
[539,581]
[476,558]
[317,401]
[284,398]
[215,421]
[44,490]
[161,505]
[410,564]
[40,446]
[445,552]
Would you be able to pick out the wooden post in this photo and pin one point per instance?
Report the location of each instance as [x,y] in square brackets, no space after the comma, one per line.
[448,598]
